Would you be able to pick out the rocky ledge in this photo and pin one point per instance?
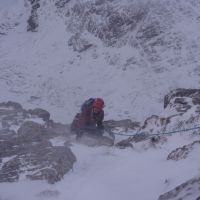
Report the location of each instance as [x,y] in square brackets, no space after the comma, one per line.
[183,152]
[186,191]
[25,147]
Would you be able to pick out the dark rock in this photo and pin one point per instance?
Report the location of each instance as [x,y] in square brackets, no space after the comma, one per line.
[61,3]
[156,121]
[4,28]
[183,104]
[157,140]
[149,32]
[7,148]
[32,132]
[104,20]
[124,144]
[10,170]
[58,128]
[33,21]
[186,191]
[38,160]
[29,151]
[53,164]
[181,92]
[139,137]
[11,113]
[182,152]
[38,112]
[79,44]
[12,105]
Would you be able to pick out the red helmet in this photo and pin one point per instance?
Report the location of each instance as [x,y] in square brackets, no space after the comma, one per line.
[98,103]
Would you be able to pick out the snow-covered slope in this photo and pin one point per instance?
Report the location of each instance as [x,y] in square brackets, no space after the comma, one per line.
[131,53]
[55,54]
[114,174]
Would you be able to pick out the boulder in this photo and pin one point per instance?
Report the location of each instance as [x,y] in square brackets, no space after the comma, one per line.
[179,94]
[29,152]
[41,113]
[186,191]
[33,21]
[35,160]
[78,44]
[32,132]
[183,152]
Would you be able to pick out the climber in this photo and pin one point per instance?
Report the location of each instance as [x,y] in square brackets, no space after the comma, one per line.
[90,118]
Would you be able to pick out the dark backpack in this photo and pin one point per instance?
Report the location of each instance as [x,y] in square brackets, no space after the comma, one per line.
[88,103]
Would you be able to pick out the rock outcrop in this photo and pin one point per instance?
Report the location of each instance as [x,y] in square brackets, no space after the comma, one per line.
[33,21]
[25,147]
[183,152]
[186,191]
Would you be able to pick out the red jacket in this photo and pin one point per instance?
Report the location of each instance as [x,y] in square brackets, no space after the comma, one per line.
[88,118]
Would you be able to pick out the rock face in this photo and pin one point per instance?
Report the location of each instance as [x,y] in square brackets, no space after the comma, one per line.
[37,160]
[38,112]
[29,152]
[148,27]
[33,21]
[182,107]
[182,152]
[78,44]
[186,191]
[179,96]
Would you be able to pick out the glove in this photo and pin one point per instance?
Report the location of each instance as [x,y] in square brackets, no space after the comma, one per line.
[101,127]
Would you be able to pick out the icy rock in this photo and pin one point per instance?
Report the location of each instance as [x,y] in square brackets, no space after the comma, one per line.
[186,191]
[8,147]
[182,152]
[32,132]
[28,152]
[12,105]
[10,170]
[36,160]
[33,21]
[79,44]
[124,144]
[12,115]
[179,96]
[61,3]
[38,112]
[155,122]
[52,163]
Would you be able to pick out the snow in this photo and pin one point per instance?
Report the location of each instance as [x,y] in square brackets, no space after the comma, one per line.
[110,173]
[40,70]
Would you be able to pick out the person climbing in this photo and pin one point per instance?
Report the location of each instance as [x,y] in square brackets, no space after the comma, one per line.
[90,118]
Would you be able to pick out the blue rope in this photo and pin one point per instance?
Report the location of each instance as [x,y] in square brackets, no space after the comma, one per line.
[156,134]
